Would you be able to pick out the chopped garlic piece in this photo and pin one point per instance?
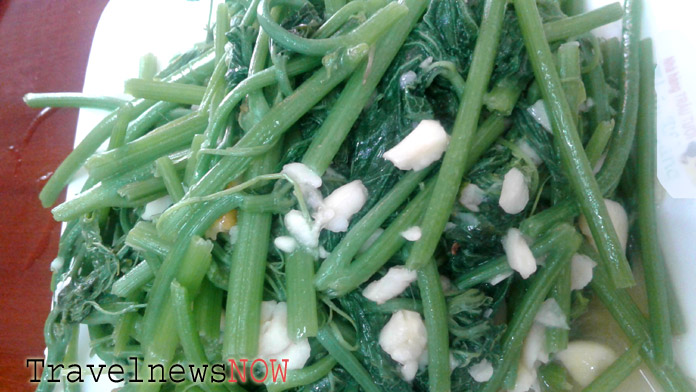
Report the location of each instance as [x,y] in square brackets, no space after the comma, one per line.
[534,347]
[155,208]
[57,264]
[499,278]
[526,379]
[286,244]
[586,360]
[471,197]
[423,146]
[581,268]
[299,227]
[538,111]
[302,175]
[446,284]
[482,371]
[515,194]
[519,256]
[273,336]
[452,361]
[407,79]
[405,338]
[344,202]
[396,280]
[531,152]
[551,315]
[308,181]
[619,219]
[413,233]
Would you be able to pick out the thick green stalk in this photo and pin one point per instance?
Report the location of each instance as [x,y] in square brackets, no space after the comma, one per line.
[162,342]
[248,261]
[196,144]
[118,133]
[133,280]
[222,26]
[568,57]
[103,195]
[624,134]
[572,7]
[346,359]
[302,297]
[582,23]
[165,168]
[124,328]
[553,377]
[504,95]
[148,119]
[78,156]
[598,141]
[245,287]
[72,100]
[579,172]
[557,338]
[147,68]
[143,237]
[141,192]
[331,6]
[186,94]
[436,316]
[187,332]
[611,53]
[164,140]
[597,90]
[655,273]
[450,175]
[208,308]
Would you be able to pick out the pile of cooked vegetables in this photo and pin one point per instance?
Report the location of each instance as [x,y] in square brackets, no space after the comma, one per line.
[390,195]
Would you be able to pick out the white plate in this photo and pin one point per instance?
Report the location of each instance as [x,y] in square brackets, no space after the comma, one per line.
[129,29]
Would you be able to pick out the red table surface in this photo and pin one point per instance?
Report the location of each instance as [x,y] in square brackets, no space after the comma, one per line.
[44,46]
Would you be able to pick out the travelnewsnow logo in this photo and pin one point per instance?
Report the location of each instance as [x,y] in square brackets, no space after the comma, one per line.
[239,371]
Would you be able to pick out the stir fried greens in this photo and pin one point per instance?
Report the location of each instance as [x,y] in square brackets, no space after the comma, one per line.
[246,206]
